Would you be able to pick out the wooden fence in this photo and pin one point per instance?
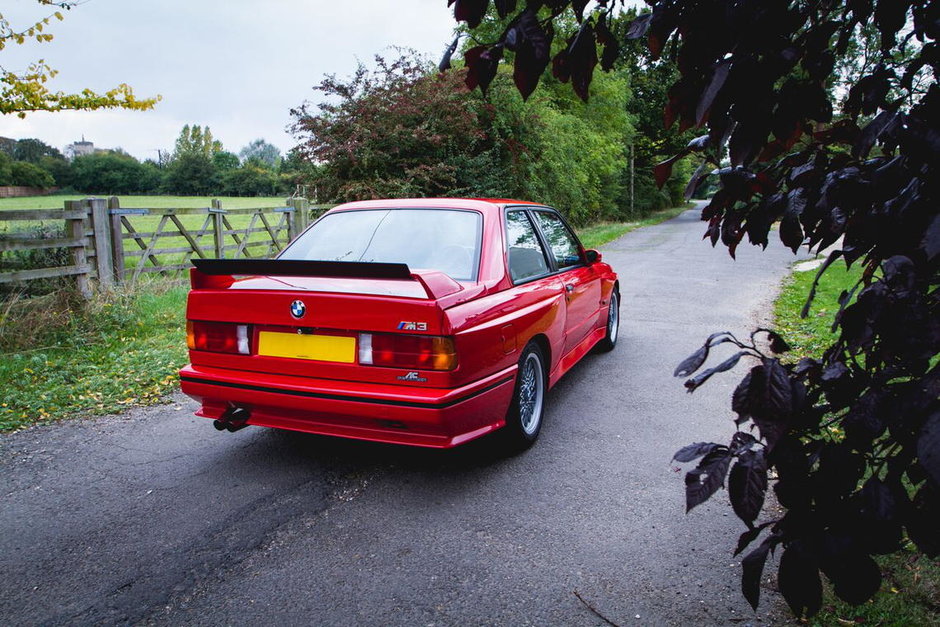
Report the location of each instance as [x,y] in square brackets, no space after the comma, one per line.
[115,245]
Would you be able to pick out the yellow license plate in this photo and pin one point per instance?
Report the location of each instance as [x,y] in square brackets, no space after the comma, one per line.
[317,347]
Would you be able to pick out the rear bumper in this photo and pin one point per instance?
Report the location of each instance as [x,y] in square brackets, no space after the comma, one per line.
[381,413]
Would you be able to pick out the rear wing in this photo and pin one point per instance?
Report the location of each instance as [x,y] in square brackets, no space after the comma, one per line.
[220,273]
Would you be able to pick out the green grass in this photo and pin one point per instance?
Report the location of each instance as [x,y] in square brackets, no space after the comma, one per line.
[88,360]
[811,335]
[910,591]
[596,235]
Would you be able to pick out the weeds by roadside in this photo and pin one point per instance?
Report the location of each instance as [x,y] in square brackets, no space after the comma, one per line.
[60,356]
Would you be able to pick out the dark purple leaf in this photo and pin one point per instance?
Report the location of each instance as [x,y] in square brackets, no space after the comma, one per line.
[812,290]
[752,568]
[639,26]
[777,344]
[481,65]
[694,451]
[928,447]
[706,478]
[719,76]
[692,384]
[611,47]
[470,11]
[741,442]
[777,392]
[692,363]
[872,132]
[747,484]
[504,7]
[921,521]
[791,234]
[445,60]
[855,578]
[582,57]
[532,53]
[578,7]
[750,535]
[798,578]
[931,241]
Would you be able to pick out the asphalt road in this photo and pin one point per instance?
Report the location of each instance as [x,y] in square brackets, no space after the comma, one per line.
[154,517]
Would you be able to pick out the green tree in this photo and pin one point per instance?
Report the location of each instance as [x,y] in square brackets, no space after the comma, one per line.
[225,161]
[33,150]
[249,180]
[30,175]
[195,140]
[26,91]
[191,174]
[106,173]
[260,152]
[6,172]
[58,168]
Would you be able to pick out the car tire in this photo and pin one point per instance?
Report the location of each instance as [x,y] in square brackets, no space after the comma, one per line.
[613,324]
[524,418]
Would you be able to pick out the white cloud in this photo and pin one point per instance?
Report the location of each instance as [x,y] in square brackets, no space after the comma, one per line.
[236,66]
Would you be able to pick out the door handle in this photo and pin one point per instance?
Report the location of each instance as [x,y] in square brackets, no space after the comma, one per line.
[569,288]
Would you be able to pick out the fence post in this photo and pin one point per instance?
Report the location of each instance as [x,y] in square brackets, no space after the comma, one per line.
[218,228]
[76,229]
[298,218]
[117,240]
[100,225]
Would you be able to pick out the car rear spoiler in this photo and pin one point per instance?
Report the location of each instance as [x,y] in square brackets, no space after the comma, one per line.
[218,273]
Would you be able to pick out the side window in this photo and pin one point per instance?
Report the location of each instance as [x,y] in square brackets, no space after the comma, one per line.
[526,256]
[563,245]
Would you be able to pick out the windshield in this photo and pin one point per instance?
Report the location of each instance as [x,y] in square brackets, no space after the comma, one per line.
[428,239]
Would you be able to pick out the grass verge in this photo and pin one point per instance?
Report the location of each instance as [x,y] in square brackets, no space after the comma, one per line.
[597,235]
[910,590]
[60,358]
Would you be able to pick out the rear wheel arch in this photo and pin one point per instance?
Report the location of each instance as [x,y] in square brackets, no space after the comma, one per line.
[546,349]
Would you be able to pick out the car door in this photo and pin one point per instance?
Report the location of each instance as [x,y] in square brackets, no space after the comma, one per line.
[581,282]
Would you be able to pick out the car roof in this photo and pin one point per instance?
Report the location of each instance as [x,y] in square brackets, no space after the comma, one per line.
[484,205]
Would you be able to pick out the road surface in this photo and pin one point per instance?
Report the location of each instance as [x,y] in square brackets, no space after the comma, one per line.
[155,517]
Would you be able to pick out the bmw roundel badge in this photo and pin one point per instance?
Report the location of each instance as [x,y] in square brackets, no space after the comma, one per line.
[298,309]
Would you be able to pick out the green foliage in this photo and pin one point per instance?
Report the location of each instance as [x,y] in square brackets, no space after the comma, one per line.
[6,169]
[196,141]
[33,150]
[109,173]
[61,357]
[249,180]
[191,174]
[30,175]
[402,131]
[224,160]
[261,154]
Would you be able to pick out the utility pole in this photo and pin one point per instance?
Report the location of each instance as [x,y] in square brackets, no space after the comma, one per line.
[632,207]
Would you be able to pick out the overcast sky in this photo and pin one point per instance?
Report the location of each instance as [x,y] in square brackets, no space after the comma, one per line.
[237,66]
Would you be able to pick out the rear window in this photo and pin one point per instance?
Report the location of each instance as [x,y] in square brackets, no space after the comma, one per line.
[428,239]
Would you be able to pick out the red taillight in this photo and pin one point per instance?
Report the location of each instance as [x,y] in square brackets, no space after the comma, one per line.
[217,337]
[422,352]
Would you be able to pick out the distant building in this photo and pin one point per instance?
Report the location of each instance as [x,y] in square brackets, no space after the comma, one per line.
[79,149]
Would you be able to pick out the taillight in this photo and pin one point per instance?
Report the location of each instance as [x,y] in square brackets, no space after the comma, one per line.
[217,337]
[422,352]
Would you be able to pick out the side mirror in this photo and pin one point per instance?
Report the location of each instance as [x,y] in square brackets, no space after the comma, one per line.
[592,256]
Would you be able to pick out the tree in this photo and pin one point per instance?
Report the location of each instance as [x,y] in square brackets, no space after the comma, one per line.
[107,173]
[261,153]
[191,174]
[224,160]
[249,180]
[22,92]
[194,140]
[30,175]
[852,438]
[400,130]
[33,150]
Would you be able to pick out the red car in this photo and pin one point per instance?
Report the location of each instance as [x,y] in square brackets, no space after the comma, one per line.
[426,322]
